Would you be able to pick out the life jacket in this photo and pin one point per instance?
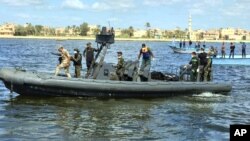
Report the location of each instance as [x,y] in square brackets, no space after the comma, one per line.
[145,53]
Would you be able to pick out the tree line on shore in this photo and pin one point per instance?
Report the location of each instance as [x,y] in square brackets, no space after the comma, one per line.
[83,29]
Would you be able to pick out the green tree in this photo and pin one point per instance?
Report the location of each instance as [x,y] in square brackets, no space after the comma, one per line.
[97,29]
[38,29]
[20,31]
[84,28]
[131,31]
[30,29]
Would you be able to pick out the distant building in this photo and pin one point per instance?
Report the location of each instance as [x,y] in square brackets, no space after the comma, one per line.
[191,35]
[118,32]
[227,33]
[7,29]
[60,31]
[138,33]
[211,34]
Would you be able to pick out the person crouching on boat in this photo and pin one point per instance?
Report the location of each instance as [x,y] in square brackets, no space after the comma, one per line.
[147,55]
[77,60]
[195,62]
[65,62]
[120,66]
[208,68]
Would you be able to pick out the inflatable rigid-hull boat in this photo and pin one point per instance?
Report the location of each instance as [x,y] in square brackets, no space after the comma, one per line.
[34,83]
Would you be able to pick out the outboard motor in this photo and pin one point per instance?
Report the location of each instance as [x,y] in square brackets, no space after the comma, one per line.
[131,69]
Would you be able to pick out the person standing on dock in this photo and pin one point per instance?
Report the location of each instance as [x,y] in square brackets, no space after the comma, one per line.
[243,48]
[195,62]
[77,60]
[65,62]
[232,47]
[223,50]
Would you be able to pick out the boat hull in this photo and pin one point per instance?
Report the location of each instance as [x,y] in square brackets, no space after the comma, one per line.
[31,83]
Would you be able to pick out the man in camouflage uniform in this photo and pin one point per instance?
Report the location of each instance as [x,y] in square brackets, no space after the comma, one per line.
[120,66]
[195,62]
[208,68]
[65,62]
[77,60]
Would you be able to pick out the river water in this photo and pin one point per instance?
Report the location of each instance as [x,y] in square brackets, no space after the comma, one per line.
[205,116]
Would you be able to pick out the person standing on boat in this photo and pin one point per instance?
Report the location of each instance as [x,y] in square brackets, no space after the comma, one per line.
[223,50]
[232,47]
[208,68]
[180,43]
[173,41]
[204,44]
[243,48]
[88,53]
[195,62]
[120,66]
[77,60]
[203,61]
[184,43]
[147,55]
[65,62]
[190,43]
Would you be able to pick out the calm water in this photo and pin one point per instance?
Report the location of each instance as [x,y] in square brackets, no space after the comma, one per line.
[199,117]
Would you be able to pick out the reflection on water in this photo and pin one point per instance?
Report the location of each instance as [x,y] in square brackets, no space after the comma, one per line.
[199,117]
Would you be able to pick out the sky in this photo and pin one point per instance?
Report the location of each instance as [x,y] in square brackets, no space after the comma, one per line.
[163,14]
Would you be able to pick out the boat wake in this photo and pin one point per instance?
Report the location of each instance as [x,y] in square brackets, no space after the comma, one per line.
[209,94]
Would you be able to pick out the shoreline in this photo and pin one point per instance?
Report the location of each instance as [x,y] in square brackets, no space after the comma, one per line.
[62,38]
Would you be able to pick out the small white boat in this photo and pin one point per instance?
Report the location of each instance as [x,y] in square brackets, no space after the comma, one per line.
[184,50]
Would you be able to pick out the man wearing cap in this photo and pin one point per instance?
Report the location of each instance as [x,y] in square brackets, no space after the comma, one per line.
[88,53]
[147,55]
[195,62]
[77,60]
[65,62]
[120,66]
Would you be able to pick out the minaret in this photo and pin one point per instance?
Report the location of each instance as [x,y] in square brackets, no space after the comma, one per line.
[190,26]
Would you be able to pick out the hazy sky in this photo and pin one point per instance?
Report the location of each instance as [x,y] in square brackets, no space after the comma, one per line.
[165,14]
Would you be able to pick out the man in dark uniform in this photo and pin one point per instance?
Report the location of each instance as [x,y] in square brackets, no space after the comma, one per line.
[88,53]
[203,61]
[120,66]
[77,60]
[195,62]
